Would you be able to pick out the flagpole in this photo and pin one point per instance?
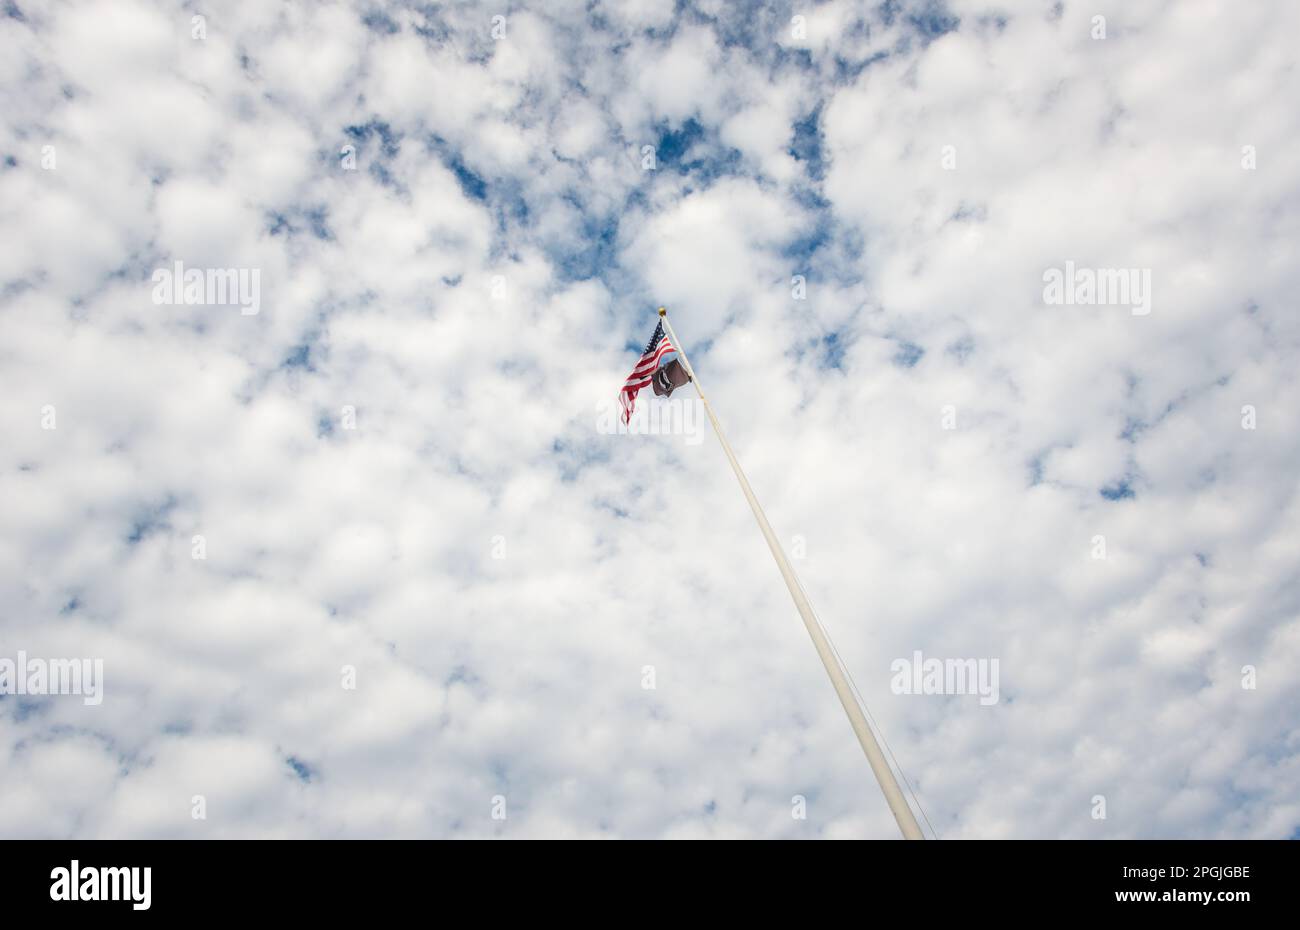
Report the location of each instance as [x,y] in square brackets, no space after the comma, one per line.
[884,774]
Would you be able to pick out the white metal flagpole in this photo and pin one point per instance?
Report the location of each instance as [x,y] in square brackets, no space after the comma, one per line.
[884,774]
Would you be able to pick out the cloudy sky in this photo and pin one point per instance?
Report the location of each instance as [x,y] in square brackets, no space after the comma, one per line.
[369,563]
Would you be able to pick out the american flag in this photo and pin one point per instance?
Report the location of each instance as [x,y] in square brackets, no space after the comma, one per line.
[644,372]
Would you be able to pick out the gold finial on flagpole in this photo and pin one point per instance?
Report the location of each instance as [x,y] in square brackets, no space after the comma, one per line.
[663,310]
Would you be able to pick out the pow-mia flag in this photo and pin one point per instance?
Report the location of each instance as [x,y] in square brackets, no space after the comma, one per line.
[669,378]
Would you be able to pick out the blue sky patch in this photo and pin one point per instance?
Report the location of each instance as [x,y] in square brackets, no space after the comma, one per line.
[304,772]
[1118,491]
[907,355]
[152,521]
[806,144]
